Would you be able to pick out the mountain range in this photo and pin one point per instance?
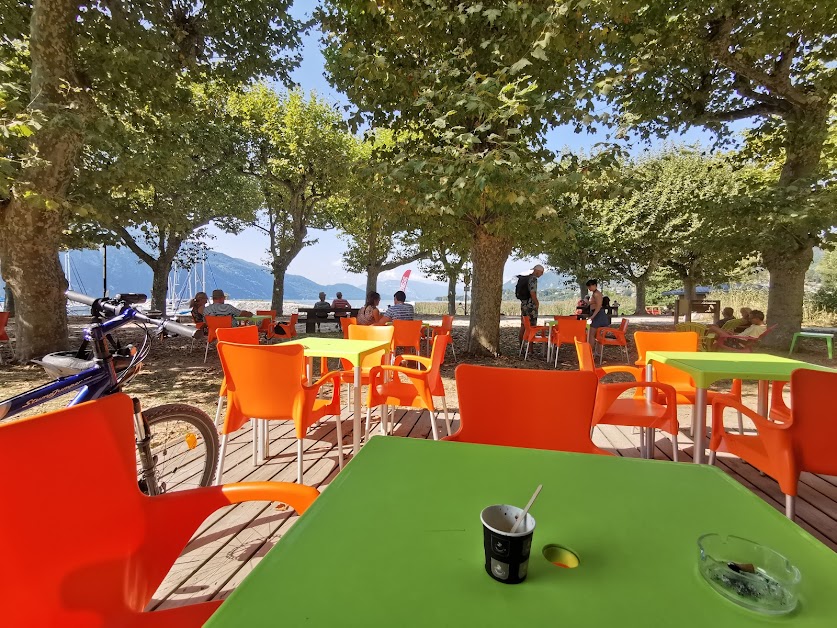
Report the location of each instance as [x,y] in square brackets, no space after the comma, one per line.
[240,279]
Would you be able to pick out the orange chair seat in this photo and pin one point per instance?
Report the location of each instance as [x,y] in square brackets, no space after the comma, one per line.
[637,412]
[604,340]
[398,393]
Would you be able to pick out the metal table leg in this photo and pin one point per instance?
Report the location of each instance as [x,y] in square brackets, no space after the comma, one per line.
[699,423]
[358,424]
[761,406]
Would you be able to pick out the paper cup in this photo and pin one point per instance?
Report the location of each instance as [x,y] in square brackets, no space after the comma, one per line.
[506,554]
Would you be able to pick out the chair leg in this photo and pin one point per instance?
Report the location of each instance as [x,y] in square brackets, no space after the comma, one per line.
[450,345]
[368,419]
[339,424]
[642,443]
[790,506]
[384,419]
[675,448]
[218,411]
[652,436]
[222,450]
[627,358]
[526,355]
[254,429]
[712,455]
[433,427]
[264,437]
[740,424]
[447,418]
[206,352]
[299,460]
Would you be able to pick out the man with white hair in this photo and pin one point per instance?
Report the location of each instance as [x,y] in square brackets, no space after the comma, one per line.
[527,291]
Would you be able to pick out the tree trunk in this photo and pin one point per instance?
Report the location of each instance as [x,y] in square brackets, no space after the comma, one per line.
[641,286]
[582,287]
[372,273]
[689,288]
[160,284]
[489,255]
[32,222]
[277,299]
[452,293]
[787,255]
[787,289]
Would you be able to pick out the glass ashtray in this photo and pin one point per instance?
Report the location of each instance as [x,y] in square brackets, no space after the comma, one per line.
[749,574]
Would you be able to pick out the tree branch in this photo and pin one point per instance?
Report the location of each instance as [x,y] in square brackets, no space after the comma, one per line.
[760,109]
[131,243]
[403,260]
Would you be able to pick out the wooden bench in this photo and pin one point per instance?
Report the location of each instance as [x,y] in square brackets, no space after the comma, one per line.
[313,316]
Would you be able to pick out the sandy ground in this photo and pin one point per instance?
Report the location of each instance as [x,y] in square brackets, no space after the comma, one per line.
[174,373]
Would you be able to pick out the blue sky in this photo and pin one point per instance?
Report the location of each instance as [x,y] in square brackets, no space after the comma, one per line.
[322,261]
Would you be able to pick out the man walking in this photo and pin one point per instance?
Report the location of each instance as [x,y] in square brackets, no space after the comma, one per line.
[527,291]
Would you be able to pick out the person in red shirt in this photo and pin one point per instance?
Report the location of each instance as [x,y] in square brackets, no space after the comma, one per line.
[340,304]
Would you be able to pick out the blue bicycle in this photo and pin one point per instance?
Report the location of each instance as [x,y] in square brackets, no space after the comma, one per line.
[177,444]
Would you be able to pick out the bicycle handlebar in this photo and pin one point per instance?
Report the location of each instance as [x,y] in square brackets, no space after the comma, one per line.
[116,308]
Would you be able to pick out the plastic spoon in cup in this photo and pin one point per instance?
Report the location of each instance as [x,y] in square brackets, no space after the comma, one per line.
[526,510]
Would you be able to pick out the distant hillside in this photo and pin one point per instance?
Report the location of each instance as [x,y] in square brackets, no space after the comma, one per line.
[240,279]
[416,290]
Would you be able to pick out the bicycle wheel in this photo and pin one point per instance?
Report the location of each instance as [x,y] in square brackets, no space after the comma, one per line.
[184,447]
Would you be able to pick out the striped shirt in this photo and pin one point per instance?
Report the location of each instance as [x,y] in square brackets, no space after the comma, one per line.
[401,312]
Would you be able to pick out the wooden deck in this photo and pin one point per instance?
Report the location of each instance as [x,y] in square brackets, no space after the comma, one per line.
[232,541]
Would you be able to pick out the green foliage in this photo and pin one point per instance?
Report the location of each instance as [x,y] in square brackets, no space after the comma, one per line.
[826,298]
[827,270]
[297,150]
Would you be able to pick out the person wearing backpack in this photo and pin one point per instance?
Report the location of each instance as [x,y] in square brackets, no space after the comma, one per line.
[526,291]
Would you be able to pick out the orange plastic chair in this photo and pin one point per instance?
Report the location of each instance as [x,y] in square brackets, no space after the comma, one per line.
[783,450]
[741,344]
[213,324]
[532,334]
[684,385]
[289,327]
[446,329]
[266,326]
[560,420]
[636,411]
[568,330]
[407,334]
[268,382]
[618,339]
[4,337]
[381,333]
[246,335]
[417,392]
[345,321]
[102,562]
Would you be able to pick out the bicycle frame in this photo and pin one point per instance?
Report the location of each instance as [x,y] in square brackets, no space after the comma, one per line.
[92,383]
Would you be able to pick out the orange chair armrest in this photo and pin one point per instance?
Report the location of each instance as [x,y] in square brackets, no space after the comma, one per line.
[333,376]
[602,332]
[413,358]
[727,401]
[297,496]
[666,389]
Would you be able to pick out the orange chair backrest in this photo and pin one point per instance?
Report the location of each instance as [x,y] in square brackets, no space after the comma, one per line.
[814,430]
[623,326]
[4,318]
[99,560]
[667,341]
[527,325]
[345,321]
[245,335]
[382,333]
[586,361]
[447,323]
[571,329]
[557,417]
[265,381]
[437,357]
[407,333]
[565,318]
[214,323]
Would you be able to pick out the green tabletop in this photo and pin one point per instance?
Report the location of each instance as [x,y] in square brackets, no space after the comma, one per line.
[258,318]
[705,368]
[396,540]
[352,350]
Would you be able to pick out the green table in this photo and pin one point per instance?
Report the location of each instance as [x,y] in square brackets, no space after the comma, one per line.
[707,368]
[351,350]
[829,340]
[256,320]
[396,541]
